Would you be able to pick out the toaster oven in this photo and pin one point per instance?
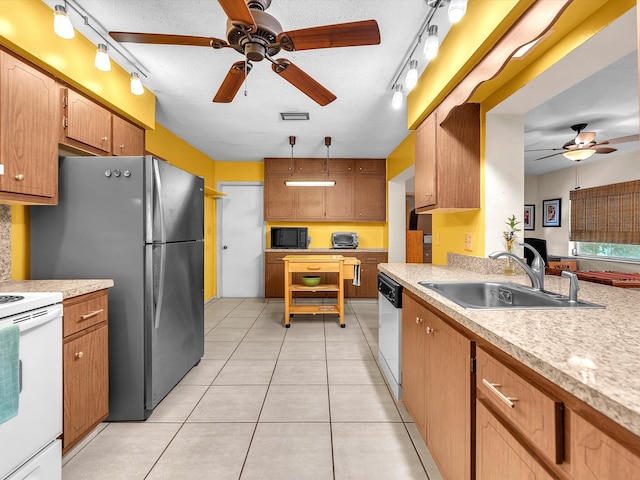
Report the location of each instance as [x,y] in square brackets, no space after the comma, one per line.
[344,240]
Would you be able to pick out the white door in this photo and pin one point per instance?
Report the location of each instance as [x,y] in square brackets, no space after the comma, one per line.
[241,240]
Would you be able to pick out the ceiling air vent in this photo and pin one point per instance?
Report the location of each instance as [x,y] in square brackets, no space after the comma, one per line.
[294,115]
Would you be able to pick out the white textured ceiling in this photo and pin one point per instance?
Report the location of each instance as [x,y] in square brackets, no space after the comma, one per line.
[184,79]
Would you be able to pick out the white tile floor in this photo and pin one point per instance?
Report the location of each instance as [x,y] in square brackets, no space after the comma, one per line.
[265,402]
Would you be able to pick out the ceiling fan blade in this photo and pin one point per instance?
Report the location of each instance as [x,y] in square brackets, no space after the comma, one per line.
[548,156]
[303,82]
[605,149]
[165,39]
[351,34]
[232,82]
[239,14]
[628,138]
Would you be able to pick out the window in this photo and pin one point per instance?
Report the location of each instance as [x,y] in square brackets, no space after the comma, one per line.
[605,221]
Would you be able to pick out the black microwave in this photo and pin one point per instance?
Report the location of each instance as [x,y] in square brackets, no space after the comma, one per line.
[290,237]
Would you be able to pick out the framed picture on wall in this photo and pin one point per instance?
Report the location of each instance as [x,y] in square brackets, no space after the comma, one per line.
[551,212]
[529,221]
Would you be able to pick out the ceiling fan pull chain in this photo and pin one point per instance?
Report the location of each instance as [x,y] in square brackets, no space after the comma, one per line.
[246,67]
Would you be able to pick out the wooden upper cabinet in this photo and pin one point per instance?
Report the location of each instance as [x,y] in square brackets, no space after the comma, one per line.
[451,174]
[128,139]
[86,123]
[28,134]
[359,193]
[425,163]
[371,198]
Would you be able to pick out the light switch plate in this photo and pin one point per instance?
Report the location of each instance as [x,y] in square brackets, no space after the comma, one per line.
[468,241]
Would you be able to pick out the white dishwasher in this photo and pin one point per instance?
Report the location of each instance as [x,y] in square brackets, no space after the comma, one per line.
[390,331]
[31,400]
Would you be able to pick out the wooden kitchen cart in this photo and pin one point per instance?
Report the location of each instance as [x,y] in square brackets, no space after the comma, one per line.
[344,267]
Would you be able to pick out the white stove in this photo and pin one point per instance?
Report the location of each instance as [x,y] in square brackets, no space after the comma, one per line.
[31,366]
[13,303]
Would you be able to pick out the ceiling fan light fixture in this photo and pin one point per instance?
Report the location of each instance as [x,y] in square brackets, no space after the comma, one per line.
[62,25]
[579,154]
[102,60]
[457,9]
[411,79]
[398,97]
[431,43]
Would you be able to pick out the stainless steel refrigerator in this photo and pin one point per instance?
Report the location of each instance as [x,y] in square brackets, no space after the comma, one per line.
[139,221]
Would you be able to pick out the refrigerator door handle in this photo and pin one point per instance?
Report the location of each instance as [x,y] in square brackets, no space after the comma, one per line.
[163,239]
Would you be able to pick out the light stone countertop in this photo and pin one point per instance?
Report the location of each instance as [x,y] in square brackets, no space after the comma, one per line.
[69,288]
[591,353]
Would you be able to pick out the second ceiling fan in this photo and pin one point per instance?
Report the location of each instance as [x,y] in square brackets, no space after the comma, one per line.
[258,35]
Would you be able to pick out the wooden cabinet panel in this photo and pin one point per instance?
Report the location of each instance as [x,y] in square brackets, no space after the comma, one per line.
[279,200]
[425,163]
[447,164]
[371,165]
[594,455]
[448,398]
[278,165]
[413,362]
[499,455]
[534,414]
[28,133]
[341,165]
[371,198]
[309,203]
[128,139]
[86,380]
[310,166]
[86,121]
[338,200]
[85,365]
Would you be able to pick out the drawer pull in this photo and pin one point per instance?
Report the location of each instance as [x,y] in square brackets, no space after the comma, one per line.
[92,314]
[492,387]
[79,354]
[313,267]
[430,330]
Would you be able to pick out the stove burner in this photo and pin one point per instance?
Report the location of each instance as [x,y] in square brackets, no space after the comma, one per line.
[10,298]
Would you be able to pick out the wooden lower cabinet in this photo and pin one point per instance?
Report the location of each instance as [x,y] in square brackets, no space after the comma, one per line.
[499,455]
[437,386]
[274,275]
[85,365]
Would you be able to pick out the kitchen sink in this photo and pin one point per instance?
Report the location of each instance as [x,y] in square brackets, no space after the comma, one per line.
[500,296]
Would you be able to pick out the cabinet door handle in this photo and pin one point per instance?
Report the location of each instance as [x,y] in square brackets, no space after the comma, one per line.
[104,139]
[418,320]
[20,177]
[492,388]
[122,146]
[430,330]
[79,354]
[92,314]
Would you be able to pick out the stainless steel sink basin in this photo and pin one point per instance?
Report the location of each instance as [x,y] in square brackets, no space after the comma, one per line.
[499,296]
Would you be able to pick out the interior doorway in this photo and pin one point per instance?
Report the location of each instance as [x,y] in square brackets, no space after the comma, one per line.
[241,240]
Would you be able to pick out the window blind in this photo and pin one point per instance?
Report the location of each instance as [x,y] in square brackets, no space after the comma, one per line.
[610,213]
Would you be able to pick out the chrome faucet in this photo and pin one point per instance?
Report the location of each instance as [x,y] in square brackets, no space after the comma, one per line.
[574,286]
[535,271]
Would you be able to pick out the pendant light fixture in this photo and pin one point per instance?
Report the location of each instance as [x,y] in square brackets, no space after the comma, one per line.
[411,79]
[431,43]
[136,84]
[62,25]
[398,97]
[309,183]
[102,61]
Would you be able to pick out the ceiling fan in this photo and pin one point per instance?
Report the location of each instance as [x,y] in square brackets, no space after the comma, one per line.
[258,35]
[584,145]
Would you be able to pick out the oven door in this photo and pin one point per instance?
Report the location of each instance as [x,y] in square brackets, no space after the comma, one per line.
[39,419]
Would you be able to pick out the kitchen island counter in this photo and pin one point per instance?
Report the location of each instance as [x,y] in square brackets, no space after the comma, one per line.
[69,288]
[590,353]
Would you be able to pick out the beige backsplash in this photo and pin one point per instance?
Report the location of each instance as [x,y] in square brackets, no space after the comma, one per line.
[5,243]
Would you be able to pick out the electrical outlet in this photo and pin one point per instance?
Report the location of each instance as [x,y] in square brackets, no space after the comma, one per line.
[468,241]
